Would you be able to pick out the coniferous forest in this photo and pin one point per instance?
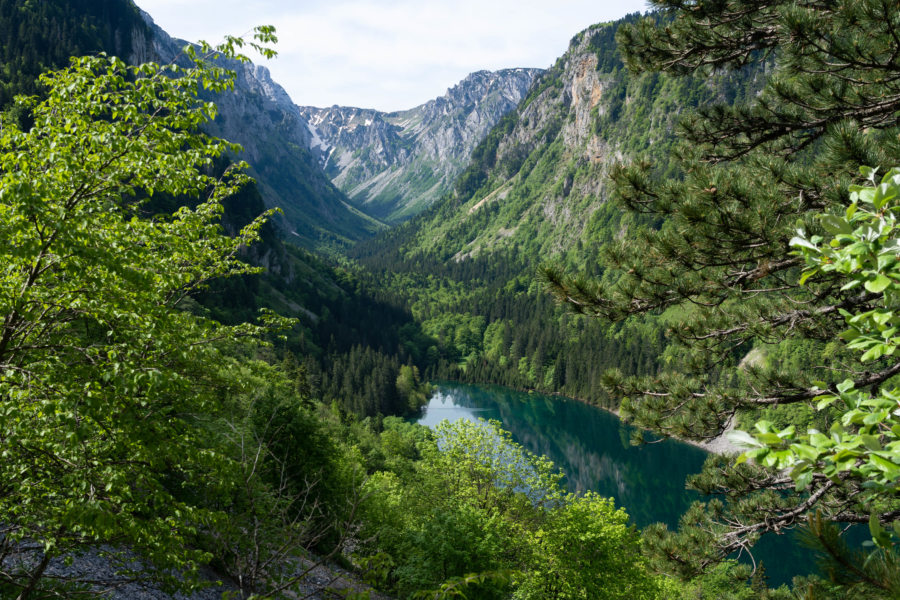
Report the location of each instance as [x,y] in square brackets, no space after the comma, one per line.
[691,219]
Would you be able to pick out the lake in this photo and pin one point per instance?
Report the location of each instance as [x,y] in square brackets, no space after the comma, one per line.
[591,446]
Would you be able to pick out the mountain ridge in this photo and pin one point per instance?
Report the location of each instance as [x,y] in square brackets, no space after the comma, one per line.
[395,164]
[538,182]
[261,117]
[537,192]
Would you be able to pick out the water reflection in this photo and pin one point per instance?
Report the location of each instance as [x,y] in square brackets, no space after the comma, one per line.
[592,448]
[589,445]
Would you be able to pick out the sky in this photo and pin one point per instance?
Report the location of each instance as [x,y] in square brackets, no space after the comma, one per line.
[390,54]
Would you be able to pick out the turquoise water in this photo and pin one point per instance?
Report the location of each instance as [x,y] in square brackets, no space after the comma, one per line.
[591,446]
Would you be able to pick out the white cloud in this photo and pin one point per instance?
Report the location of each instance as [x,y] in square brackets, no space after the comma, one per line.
[390,55]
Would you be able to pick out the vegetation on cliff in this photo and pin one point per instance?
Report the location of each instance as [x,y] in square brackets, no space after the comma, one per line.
[721,267]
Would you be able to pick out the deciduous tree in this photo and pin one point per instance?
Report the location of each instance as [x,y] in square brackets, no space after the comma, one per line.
[105,375]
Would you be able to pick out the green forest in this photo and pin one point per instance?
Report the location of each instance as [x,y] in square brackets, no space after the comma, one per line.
[185,392]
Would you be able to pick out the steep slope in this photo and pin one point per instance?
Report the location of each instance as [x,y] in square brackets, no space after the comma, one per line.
[538,182]
[334,312]
[41,36]
[397,164]
[536,191]
[345,357]
[261,117]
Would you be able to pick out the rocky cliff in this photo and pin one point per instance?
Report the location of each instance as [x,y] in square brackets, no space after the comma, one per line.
[538,184]
[396,164]
[260,116]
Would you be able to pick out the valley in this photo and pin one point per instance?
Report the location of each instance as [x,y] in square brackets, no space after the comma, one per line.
[656,225]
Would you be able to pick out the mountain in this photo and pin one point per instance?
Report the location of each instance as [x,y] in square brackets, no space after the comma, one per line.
[276,139]
[396,164]
[537,183]
[536,191]
[259,114]
[334,312]
[38,36]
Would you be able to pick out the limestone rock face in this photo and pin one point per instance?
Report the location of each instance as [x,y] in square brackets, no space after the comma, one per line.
[544,176]
[395,165]
[537,188]
[276,139]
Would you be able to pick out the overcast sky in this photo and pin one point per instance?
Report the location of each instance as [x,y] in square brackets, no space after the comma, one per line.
[390,54]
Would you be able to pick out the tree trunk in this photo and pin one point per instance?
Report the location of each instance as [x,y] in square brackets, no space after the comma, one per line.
[35,578]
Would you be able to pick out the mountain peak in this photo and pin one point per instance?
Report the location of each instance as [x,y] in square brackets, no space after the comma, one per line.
[396,164]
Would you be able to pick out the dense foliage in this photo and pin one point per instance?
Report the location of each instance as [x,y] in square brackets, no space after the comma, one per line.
[475,501]
[104,372]
[721,264]
[139,420]
[137,426]
[534,191]
[861,447]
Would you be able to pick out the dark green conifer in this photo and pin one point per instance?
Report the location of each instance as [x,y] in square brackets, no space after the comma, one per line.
[720,265]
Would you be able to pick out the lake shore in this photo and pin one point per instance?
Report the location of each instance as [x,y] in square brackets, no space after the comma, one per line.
[718,445]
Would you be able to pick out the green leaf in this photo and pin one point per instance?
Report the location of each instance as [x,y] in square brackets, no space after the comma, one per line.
[825,402]
[881,317]
[770,439]
[875,527]
[871,442]
[885,465]
[881,537]
[805,451]
[806,275]
[787,432]
[878,285]
[845,386]
[835,225]
[820,440]
[868,172]
[873,353]
[742,439]
[802,480]
[803,243]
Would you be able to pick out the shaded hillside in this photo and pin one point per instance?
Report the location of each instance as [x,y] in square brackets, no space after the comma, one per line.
[276,139]
[397,164]
[37,36]
[335,313]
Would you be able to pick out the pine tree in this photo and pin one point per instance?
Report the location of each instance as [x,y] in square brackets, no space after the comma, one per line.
[721,265]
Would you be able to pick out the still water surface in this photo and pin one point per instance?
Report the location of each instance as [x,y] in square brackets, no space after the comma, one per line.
[591,446]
